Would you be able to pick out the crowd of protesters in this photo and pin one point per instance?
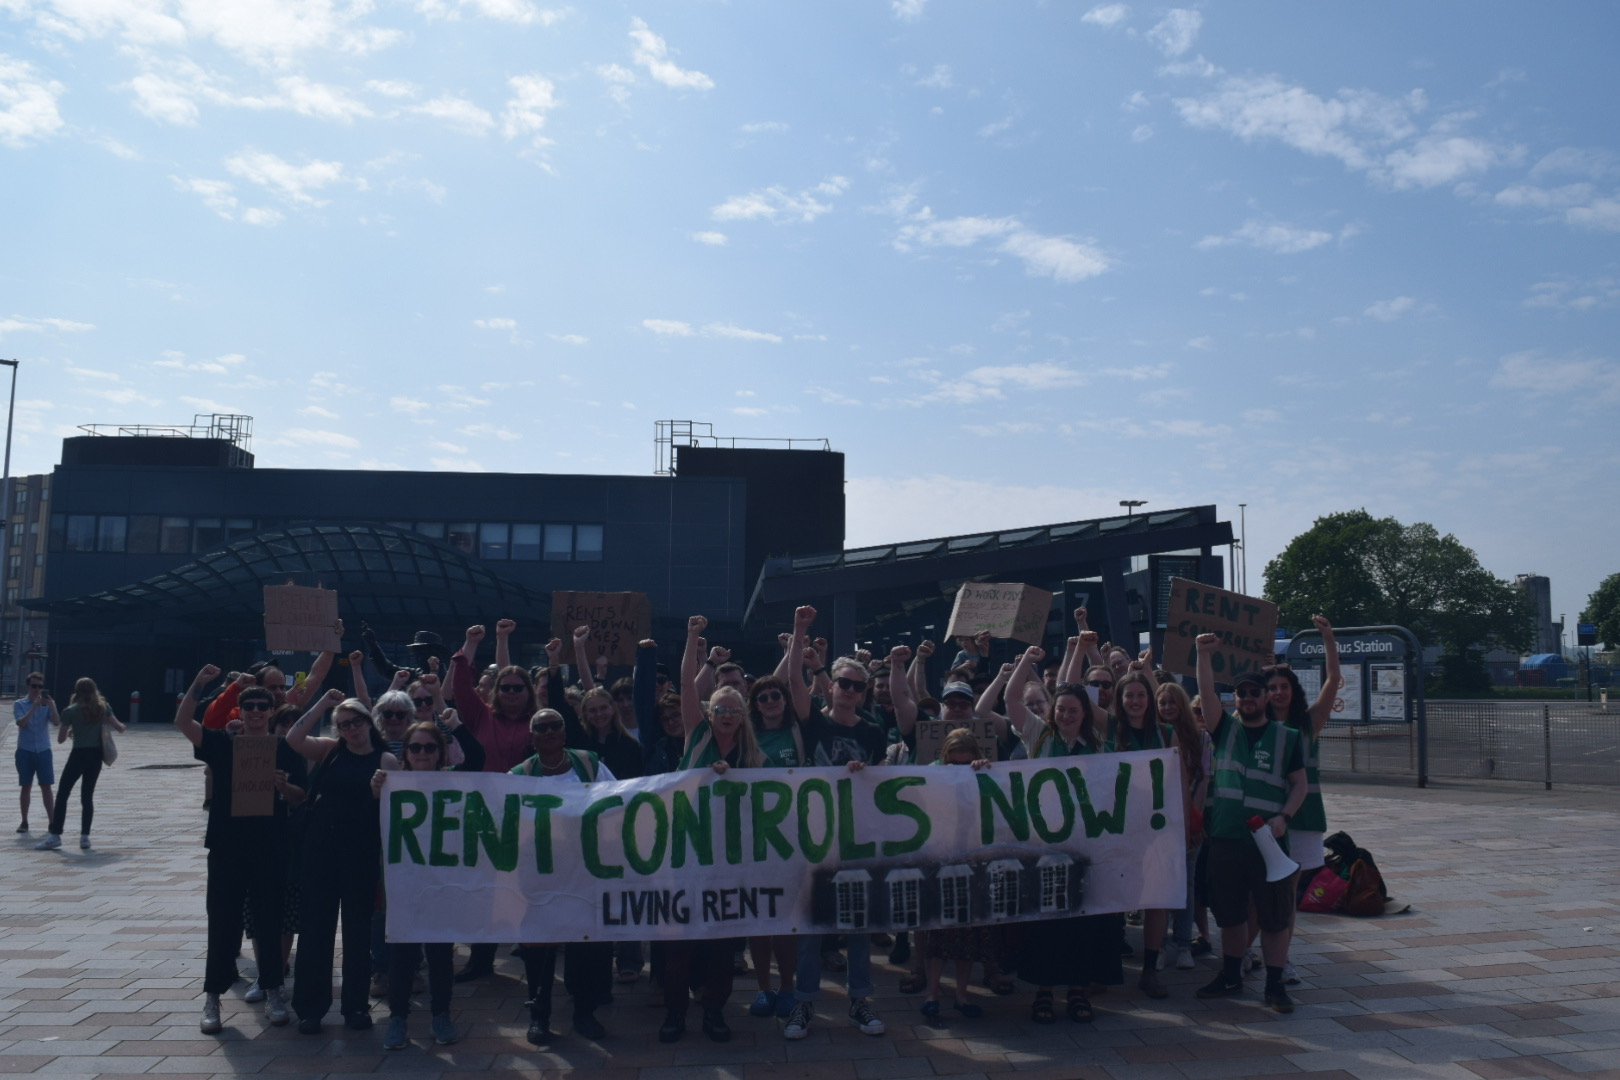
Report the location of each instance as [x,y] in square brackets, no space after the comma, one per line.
[313,863]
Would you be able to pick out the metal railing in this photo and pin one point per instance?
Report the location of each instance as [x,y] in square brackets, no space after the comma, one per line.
[1566,742]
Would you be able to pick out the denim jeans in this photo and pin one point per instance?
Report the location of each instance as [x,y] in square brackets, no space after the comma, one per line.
[858,976]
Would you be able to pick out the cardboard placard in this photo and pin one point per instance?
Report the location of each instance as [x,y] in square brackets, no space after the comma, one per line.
[618,621]
[1007,610]
[299,618]
[1246,625]
[253,775]
[931,735]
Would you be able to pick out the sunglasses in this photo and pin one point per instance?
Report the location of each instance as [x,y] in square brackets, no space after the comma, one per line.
[768,695]
[1249,691]
[351,723]
[254,706]
[854,686]
[421,748]
[393,714]
[35,685]
[421,702]
[513,688]
[546,727]
[1104,683]
[728,710]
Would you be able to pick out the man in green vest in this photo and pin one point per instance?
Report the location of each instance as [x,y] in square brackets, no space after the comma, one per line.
[1259,772]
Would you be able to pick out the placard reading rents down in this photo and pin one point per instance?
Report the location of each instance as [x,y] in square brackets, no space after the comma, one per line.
[1007,610]
[618,620]
[1246,625]
[298,618]
[253,775]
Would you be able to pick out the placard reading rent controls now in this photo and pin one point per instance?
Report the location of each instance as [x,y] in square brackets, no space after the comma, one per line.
[492,857]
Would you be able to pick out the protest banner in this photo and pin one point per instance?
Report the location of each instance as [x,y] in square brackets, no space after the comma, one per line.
[1246,625]
[931,735]
[1007,610]
[618,621]
[253,775]
[300,618]
[490,857]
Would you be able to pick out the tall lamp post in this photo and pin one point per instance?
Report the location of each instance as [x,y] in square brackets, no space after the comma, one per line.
[5,484]
[1131,504]
[1243,545]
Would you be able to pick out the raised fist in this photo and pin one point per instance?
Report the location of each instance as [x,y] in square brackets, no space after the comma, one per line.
[504,627]
[696,624]
[475,634]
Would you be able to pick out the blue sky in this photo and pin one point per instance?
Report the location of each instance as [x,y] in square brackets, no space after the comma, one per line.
[1018,260]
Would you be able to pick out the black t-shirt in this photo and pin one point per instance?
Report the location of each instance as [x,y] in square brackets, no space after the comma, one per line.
[827,742]
[1295,751]
[216,752]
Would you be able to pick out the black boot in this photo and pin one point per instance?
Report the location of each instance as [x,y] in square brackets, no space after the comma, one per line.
[539,970]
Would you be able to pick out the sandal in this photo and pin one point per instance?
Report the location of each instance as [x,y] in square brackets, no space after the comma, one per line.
[1001,985]
[1079,1009]
[913,984]
[930,1009]
[1041,1012]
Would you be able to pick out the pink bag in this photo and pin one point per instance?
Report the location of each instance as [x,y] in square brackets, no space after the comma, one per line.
[1325,892]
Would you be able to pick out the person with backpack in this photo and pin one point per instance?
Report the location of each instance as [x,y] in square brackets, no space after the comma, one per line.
[1259,772]
[588,965]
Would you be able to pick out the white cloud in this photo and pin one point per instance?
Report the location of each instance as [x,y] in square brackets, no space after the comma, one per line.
[209,405]
[749,410]
[908,10]
[1582,205]
[1142,133]
[1390,310]
[164,100]
[176,361]
[394,88]
[1270,236]
[261,215]
[319,100]
[652,53]
[778,204]
[763,126]
[1043,375]
[521,12]
[1574,295]
[495,324]
[1176,32]
[1195,429]
[316,412]
[24,324]
[27,104]
[409,406]
[122,396]
[1538,375]
[938,79]
[459,113]
[292,182]
[727,330]
[1060,258]
[1106,15]
[570,339]
[1205,343]
[713,239]
[668,327]
[489,431]
[1367,131]
[532,97]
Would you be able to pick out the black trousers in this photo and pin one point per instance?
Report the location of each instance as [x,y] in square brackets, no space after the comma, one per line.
[83,763]
[258,873]
[587,975]
[403,960]
[691,964]
[339,877]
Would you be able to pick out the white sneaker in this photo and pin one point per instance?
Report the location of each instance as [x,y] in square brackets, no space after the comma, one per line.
[51,841]
[255,993]
[1184,960]
[275,1006]
[1252,961]
[798,1023]
[862,1016]
[1290,976]
[84,841]
[1166,957]
[210,1024]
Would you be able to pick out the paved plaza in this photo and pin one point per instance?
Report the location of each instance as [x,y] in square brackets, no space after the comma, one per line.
[1508,965]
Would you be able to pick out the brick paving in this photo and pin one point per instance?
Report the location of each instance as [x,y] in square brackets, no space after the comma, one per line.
[1508,965]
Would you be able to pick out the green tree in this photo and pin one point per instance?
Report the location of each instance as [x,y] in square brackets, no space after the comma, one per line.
[1361,570]
[1603,608]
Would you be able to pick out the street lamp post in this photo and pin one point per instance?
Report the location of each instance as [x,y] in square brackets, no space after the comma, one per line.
[5,492]
[1243,545]
[1131,504]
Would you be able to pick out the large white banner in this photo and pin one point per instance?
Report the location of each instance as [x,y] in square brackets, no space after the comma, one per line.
[497,858]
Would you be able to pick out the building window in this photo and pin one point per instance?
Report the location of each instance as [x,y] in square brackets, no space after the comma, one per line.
[11,595]
[143,534]
[905,898]
[174,536]
[588,543]
[19,500]
[111,532]
[493,540]
[236,528]
[559,543]
[526,542]
[849,893]
[1054,883]
[463,538]
[208,534]
[81,532]
[14,566]
[433,530]
[17,530]
[1004,888]
[955,894]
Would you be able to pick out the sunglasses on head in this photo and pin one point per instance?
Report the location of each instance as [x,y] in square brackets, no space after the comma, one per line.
[1249,690]
[512,688]
[546,726]
[768,695]
[854,686]
[421,702]
[351,723]
[254,706]
[421,747]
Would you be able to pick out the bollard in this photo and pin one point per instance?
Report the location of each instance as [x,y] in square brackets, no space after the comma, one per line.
[1546,746]
[134,706]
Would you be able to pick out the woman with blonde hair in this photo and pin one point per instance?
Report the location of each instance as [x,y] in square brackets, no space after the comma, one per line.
[87,718]
[1197,763]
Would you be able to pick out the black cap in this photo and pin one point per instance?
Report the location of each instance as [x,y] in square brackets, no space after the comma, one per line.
[1253,675]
